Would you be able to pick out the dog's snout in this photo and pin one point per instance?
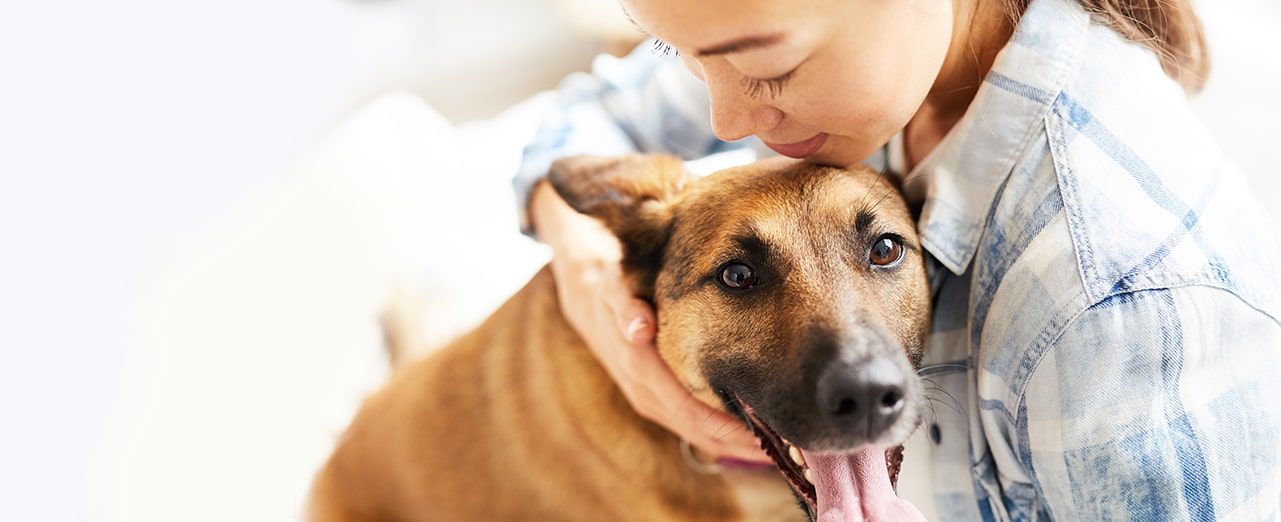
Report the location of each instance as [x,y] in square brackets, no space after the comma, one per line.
[863,398]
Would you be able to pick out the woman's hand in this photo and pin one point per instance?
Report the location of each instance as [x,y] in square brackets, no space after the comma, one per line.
[620,329]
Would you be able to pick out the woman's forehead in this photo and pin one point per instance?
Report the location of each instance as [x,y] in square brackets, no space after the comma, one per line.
[713,25]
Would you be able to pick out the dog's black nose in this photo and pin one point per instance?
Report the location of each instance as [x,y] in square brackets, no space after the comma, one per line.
[862,398]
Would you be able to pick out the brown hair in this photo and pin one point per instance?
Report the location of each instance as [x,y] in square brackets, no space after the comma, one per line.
[1170,28]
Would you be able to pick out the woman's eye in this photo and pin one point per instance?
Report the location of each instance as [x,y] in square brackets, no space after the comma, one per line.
[738,276]
[887,251]
[769,88]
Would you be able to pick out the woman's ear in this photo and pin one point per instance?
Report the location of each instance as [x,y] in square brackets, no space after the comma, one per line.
[633,196]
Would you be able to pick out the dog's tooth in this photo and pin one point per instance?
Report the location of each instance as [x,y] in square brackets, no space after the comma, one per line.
[809,475]
[796,455]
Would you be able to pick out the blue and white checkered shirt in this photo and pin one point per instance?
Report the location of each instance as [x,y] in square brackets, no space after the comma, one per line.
[1106,342]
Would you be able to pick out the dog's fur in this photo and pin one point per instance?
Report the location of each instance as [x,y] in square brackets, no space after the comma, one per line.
[517,420]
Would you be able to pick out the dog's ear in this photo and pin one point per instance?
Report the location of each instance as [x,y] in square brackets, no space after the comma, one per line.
[632,196]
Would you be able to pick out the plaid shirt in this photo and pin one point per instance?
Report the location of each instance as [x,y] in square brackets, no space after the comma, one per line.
[1106,339]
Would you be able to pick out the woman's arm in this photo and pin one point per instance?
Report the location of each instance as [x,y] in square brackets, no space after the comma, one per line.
[1156,405]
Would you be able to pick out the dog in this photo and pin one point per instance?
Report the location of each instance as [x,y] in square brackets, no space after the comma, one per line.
[791,295]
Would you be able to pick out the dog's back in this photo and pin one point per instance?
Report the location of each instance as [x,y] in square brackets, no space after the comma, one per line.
[514,421]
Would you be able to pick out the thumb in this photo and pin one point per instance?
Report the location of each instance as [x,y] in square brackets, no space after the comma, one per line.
[636,321]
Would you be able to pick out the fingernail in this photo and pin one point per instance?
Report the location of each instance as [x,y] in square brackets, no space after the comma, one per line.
[635,326]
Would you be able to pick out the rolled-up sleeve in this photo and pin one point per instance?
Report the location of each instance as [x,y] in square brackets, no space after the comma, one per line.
[639,103]
[1155,405]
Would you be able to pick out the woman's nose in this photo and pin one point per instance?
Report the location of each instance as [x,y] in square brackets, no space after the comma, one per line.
[735,114]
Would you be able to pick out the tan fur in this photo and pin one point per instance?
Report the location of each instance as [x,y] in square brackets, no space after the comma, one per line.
[517,421]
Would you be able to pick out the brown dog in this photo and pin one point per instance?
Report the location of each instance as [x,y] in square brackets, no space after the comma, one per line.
[792,295]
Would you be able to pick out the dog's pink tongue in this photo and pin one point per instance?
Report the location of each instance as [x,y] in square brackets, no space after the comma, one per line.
[856,488]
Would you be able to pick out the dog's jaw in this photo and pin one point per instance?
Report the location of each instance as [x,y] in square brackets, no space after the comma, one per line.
[832,486]
[789,463]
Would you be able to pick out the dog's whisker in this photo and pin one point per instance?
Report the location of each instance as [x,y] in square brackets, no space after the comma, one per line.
[934,369]
[887,194]
[932,388]
[862,202]
[720,433]
[913,177]
[932,413]
[926,416]
[718,436]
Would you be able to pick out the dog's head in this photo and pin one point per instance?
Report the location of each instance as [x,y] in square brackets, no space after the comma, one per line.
[791,294]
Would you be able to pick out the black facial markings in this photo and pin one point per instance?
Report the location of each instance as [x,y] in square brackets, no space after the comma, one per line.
[754,248]
[688,270]
[863,220]
[867,231]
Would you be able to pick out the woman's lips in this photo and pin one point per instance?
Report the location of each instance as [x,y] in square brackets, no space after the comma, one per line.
[799,149]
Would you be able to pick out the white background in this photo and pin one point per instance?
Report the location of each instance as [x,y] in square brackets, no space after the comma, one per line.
[187,287]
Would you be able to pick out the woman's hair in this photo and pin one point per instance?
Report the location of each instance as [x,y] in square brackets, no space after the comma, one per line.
[1169,28]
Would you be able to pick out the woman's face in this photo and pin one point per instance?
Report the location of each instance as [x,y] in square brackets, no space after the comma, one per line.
[826,80]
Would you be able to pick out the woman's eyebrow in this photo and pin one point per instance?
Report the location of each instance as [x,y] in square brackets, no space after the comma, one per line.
[741,44]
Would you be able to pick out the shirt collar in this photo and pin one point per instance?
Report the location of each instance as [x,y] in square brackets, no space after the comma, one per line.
[966,171]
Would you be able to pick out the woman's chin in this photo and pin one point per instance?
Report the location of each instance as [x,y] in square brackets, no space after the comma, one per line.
[840,152]
[835,159]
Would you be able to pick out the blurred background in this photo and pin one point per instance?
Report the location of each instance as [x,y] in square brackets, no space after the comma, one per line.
[203,207]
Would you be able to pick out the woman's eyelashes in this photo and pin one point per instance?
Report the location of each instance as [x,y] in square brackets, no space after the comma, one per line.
[770,88]
[662,49]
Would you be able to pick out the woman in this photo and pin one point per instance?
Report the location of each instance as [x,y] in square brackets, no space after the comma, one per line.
[1106,320]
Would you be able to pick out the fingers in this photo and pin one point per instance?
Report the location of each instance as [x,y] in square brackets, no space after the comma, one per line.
[656,394]
[620,330]
[636,321]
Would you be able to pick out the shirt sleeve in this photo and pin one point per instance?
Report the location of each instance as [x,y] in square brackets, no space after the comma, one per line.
[639,103]
[1155,405]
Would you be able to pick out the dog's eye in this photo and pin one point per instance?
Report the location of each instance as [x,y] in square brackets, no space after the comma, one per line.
[738,276]
[887,251]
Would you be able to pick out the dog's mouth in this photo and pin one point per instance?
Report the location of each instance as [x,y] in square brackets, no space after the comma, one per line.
[827,483]
[788,458]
